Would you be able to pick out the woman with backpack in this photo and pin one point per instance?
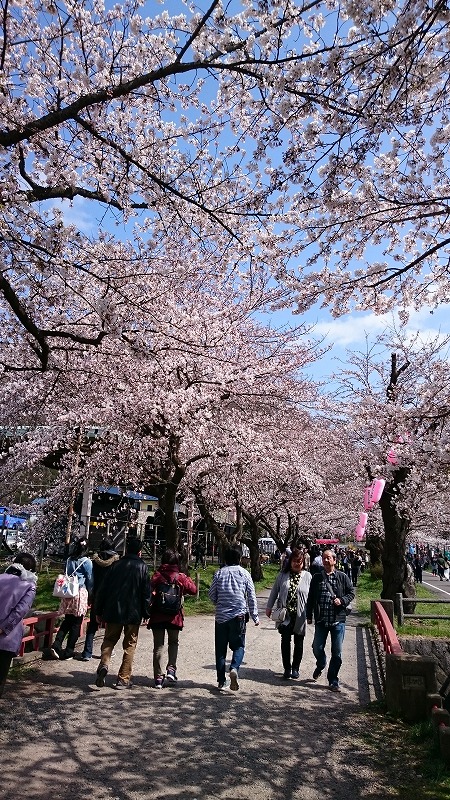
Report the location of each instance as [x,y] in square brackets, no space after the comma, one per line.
[73,608]
[168,586]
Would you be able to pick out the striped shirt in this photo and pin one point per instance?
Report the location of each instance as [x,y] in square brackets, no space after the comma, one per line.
[232,592]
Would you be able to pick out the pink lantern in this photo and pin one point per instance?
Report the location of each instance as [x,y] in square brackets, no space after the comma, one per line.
[377,489]
[368,504]
[359,533]
[363,520]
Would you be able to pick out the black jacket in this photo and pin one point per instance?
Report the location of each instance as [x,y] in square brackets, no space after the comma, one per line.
[124,594]
[344,590]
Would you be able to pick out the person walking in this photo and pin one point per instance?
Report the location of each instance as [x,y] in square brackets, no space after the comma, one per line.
[290,592]
[17,593]
[199,552]
[232,592]
[122,601]
[101,562]
[355,567]
[168,586]
[330,593]
[446,569]
[418,569]
[73,608]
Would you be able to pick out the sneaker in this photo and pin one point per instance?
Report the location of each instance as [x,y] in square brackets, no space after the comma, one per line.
[66,655]
[334,686]
[159,681]
[234,685]
[101,675]
[295,673]
[54,653]
[317,673]
[85,657]
[120,684]
[222,686]
[286,675]
[171,674]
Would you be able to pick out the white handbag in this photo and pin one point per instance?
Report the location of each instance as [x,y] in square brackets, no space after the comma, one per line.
[67,585]
[278,614]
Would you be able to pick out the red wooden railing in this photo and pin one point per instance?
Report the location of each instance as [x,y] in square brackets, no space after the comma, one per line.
[386,630]
[43,638]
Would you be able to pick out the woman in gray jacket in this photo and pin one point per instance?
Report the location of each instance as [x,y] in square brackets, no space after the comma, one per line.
[290,592]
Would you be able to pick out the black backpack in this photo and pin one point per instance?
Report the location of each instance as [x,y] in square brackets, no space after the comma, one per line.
[168,598]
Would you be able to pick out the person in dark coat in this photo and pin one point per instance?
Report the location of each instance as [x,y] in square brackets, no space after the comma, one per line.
[17,593]
[199,552]
[122,601]
[418,570]
[101,562]
[172,622]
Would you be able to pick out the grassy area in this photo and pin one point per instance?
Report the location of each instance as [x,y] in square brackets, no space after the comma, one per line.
[44,600]
[368,589]
[437,629]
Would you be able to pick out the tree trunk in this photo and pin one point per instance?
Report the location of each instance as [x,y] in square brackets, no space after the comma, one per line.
[396,528]
[256,569]
[251,538]
[374,544]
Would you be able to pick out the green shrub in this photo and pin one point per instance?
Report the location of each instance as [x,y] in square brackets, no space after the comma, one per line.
[376,571]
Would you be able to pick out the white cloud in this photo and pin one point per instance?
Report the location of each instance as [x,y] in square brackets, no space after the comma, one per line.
[352,329]
[78,213]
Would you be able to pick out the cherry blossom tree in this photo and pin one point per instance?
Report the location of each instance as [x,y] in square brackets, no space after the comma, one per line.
[399,416]
[292,486]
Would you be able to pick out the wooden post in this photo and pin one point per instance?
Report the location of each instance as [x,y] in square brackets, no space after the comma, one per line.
[399,609]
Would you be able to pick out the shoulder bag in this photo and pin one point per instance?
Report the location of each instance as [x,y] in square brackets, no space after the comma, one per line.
[66,585]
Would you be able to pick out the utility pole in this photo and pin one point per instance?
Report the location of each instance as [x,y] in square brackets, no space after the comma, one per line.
[73,493]
[86,507]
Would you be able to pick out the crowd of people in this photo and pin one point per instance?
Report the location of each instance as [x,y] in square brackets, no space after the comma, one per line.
[315,586]
[436,560]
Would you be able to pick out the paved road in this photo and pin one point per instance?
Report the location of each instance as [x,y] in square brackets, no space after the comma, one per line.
[434,583]
[61,737]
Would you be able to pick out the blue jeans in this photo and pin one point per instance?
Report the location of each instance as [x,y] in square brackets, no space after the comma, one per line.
[92,629]
[230,633]
[337,633]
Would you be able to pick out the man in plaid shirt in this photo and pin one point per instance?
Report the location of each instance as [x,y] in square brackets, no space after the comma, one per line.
[330,593]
